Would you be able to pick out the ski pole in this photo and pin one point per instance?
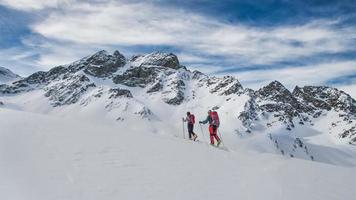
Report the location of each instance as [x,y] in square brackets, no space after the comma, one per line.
[201,130]
[222,141]
[183,129]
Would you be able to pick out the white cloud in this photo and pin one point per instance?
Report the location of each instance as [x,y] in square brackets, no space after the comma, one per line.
[118,23]
[78,29]
[20,61]
[54,53]
[317,74]
[192,58]
[206,68]
[29,5]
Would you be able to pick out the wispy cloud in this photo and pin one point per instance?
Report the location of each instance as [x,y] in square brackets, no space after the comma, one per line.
[19,60]
[350,89]
[73,28]
[146,24]
[316,74]
[30,5]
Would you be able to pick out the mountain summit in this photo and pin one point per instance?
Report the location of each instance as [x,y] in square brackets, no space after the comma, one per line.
[7,75]
[155,87]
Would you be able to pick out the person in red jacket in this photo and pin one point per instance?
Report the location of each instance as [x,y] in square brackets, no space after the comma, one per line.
[214,122]
[190,119]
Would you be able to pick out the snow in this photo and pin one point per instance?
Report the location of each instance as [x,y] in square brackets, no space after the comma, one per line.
[51,157]
[149,110]
[7,76]
[349,89]
[132,146]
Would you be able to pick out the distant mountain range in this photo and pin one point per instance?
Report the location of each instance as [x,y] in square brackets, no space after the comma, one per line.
[157,88]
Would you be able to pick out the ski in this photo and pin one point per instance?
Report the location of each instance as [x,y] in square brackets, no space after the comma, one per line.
[221,148]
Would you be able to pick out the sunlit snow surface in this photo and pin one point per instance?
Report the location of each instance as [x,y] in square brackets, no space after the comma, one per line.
[49,157]
[70,139]
[7,76]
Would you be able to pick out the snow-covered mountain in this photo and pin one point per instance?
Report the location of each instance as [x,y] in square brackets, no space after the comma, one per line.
[108,127]
[156,89]
[7,75]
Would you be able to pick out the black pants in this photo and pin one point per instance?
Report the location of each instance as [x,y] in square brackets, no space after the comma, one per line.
[190,130]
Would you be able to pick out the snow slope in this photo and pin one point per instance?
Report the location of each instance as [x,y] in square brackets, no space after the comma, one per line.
[46,157]
[7,76]
[107,127]
[155,91]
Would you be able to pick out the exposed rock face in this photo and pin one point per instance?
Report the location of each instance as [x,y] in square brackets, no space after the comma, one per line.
[100,64]
[175,94]
[226,85]
[144,113]
[158,86]
[326,98]
[157,72]
[235,88]
[137,77]
[275,91]
[168,60]
[13,89]
[275,98]
[249,114]
[103,64]
[69,90]
[160,77]
[35,80]
[118,92]
[176,100]
[55,73]
[302,105]
[25,84]
[63,81]
[198,75]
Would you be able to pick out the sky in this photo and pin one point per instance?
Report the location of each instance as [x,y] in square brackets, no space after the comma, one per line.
[311,42]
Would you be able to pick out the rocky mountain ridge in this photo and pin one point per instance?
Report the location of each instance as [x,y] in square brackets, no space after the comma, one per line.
[126,84]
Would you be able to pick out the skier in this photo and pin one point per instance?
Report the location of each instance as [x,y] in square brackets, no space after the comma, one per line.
[191,121]
[214,123]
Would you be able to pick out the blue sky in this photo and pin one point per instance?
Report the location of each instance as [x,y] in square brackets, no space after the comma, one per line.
[296,42]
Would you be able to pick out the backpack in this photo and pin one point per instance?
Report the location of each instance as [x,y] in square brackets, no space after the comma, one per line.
[215,118]
[192,119]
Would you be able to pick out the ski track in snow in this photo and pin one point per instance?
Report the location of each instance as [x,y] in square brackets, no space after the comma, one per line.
[45,157]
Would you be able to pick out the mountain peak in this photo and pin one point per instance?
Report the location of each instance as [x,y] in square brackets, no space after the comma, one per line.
[161,59]
[101,52]
[142,85]
[7,75]
[102,64]
[275,91]
[117,53]
[326,98]
[276,84]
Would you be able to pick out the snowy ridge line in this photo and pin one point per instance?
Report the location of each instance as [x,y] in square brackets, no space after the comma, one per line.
[156,91]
